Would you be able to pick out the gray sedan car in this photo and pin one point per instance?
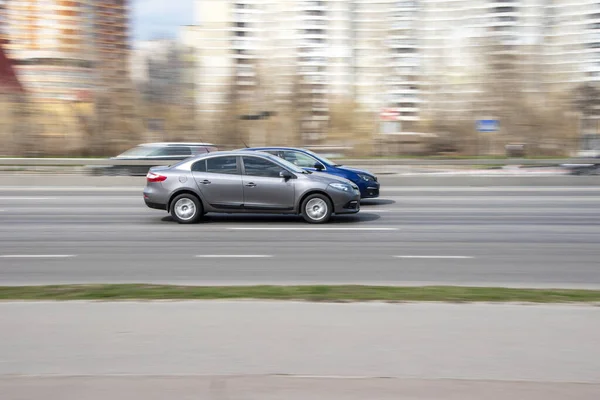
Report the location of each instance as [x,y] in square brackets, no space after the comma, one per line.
[242,182]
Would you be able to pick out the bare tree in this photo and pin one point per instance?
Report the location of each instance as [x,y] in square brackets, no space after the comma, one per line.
[586,100]
[513,92]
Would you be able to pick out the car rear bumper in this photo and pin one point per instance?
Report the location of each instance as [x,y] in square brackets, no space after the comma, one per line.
[155,206]
[153,197]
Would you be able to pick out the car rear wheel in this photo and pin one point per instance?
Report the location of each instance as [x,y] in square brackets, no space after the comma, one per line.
[316,209]
[186,209]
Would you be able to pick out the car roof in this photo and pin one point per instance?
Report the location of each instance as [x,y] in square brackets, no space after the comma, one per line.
[275,148]
[234,153]
[237,153]
[167,144]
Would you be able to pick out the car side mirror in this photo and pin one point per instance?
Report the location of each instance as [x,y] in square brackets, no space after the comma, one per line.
[319,166]
[285,175]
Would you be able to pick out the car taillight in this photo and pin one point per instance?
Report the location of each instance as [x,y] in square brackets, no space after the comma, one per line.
[152,177]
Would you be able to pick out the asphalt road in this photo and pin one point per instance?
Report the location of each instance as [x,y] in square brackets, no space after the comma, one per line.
[270,350]
[533,232]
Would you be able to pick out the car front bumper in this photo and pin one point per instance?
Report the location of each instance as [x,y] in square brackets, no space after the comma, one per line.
[345,203]
[369,190]
[352,207]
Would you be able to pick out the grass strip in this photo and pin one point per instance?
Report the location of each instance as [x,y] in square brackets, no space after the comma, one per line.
[318,293]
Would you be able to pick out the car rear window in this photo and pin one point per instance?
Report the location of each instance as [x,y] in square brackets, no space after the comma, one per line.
[141,151]
[176,151]
[204,149]
[158,151]
[199,166]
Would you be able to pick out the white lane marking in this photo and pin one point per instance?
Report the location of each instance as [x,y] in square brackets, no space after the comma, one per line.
[38,256]
[384,189]
[28,198]
[347,229]
[73,210]
[233,256]
[489,189]
[75,198]
[470,210]
[437,257]
[71,189]
[495,199]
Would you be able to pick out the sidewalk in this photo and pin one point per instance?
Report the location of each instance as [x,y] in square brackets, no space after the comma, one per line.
[283,388]
[79,349]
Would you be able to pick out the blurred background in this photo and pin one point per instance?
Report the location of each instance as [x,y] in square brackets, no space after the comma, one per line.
[361,78]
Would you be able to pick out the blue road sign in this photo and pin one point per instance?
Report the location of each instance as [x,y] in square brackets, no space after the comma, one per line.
[487,125]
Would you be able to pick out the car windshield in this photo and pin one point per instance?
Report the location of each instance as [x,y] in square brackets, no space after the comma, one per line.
[286,164]
[140,151]
[322,159]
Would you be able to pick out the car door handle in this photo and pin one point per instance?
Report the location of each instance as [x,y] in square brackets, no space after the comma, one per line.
[251,184]
[205,182]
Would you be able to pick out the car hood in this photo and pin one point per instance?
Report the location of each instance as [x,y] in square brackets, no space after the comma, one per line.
[328,178]
[355,170]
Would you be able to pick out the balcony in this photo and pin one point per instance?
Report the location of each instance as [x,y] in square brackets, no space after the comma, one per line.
[312,48]
[244,56]
[316,20]
[312,63]
[405,62]
[401,43]
[311,6]
[314,91]
[243,45]
[245,82]
[245,73]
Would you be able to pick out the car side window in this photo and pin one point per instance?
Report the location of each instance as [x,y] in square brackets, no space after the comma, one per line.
[176,152]
[199,166]
[255,166]
[222,165]
[300,159]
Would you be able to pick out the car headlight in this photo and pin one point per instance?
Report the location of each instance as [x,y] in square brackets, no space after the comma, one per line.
[367,178]
[341,186]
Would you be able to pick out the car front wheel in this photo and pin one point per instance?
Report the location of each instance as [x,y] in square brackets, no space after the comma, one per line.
[186,209]
[316,209]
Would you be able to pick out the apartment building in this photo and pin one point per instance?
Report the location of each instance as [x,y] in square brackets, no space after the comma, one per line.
[417,59]
[474,49]
[387,60]
[163,71]
[318,52]
[66,49]
[109,35]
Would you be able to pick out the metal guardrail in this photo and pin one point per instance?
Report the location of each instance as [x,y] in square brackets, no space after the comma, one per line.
[366,162]
[66,162]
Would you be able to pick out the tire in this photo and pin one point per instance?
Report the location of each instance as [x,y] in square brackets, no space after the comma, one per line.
[186,209]
[316,209]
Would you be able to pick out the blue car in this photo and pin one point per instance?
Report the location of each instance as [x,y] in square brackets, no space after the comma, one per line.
[306,159]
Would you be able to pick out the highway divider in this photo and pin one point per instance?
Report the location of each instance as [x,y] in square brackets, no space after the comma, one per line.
[358,161]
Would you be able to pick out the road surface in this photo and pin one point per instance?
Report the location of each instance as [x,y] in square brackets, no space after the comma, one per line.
[520,232]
